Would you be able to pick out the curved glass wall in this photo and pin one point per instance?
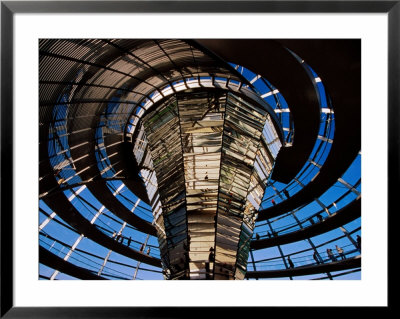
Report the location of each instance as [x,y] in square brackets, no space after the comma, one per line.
[101,212]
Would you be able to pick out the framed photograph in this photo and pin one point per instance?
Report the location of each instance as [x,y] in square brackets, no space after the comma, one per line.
[165,157]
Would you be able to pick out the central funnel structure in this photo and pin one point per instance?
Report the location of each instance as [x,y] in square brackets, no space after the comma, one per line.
[205,170]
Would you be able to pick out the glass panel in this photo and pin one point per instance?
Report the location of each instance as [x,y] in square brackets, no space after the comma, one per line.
[162,130]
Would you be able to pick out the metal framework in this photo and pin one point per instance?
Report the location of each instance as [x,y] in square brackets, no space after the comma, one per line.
[183,159]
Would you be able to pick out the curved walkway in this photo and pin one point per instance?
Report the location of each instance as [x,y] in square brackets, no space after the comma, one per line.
[337,219]
[50,260]
[348,263]
[65,210]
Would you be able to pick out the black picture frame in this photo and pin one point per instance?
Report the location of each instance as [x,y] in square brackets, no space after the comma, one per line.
[9,8]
